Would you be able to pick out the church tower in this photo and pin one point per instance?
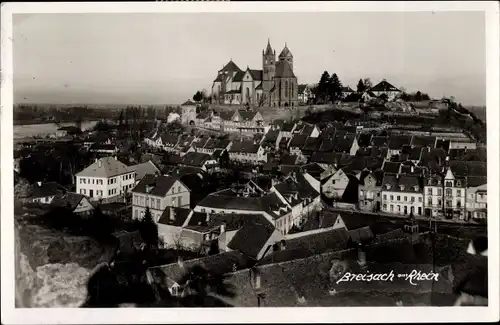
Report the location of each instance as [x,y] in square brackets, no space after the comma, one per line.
[268,68]
[287,56]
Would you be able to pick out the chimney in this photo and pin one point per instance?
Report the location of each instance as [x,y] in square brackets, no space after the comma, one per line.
[361,256]
[222,228]
[116,158]
[283,245]
[321,219]
[172,213]
[412,169]
[39,184]
[208,217]
[96,160]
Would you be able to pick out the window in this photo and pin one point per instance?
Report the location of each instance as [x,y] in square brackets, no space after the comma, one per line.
[147,201]
[439,201]
[429,191]
[333,181]
[399,208]
[158,204]
[448,192]
[412,199]
[429,201]
[385,196]
[405,198]
[459,203]
[420,199]
[175,291]
[459,192]
[385,207]
[142,200]
[361,193]
[109,192]
[392,207]
[84,181]
[392,197]
[449,183]
[440,192]
[173,189]
[179,189]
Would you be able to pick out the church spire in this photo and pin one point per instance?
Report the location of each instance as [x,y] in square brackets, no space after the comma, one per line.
[269,50]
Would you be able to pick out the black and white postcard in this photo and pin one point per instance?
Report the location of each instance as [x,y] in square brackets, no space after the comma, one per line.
[272,155]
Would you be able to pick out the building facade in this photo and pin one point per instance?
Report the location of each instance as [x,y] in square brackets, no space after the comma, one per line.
[106,178]
[275,85]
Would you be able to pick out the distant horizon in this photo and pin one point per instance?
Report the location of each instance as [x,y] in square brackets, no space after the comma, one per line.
[159,58]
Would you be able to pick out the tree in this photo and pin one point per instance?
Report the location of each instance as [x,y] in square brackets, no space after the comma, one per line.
[368,83]
[418,96]
[335,88]
[198,96]
[323,86]
[149,229]
[361,86]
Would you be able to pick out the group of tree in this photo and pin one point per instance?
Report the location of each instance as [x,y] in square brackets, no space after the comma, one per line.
[364,85]
[202,96]
[329,88]
[414,97]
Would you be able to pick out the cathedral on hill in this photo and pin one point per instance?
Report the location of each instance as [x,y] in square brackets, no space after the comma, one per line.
[275,85]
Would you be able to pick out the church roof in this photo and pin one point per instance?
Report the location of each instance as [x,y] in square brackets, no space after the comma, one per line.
[285,52]
[384,86]
[231,66]
[239,76]
[259,86]
[256,74]
[284,70]
[269,50]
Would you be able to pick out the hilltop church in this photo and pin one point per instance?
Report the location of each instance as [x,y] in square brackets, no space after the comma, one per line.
[275,85]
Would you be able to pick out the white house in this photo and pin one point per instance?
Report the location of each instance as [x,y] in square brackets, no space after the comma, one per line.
[106,178]
[45,192]
[247,151]
[433,196]
[74,202]
[454,195]
[477,198]
[402,194]
[158,193]
[335,185]
[386,88]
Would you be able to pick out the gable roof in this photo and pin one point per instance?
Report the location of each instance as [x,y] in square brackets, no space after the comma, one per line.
[423,141]
[301,89]
[141,170]
[384,86]
[67,200]
[232,221]
[47,189]
[195,159]
[256,74]
[398,141]
[108,167]
[160,185]
[246,146]
[250,239]
[188,103]
[231,66]
[296,190]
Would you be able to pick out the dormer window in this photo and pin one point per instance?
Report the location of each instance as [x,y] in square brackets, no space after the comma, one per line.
[416,188]
[459,183]
[402,187]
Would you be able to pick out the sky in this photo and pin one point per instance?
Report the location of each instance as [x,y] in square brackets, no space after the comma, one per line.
[163,58]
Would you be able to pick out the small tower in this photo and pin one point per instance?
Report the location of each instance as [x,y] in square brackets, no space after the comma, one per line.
[287,56]
[268,67]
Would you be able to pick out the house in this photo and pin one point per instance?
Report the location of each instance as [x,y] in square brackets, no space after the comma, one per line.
[369,191]
[144,169]
[421,141]
[347,143]
[286,129]
[455,187]
[76,203]
[368,96]
[239,120]
[477,198]
[170,225]
[170,276]
[188,116]
[230,201]
[157,193]
[67,130]
[384,87]
[298,194]
[200,160]
[309,130]
[106,178]
[402,194]
[45,192]
[305,94]
[433,196]
[296,144]
[463,144]
[128,243]
[335,185]
[346,91]
[255,240]
[214,144]
[108,149]
[247,151]
[397,143]
[167,142]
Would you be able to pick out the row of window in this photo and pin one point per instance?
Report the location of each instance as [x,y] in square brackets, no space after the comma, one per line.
[402,209]
[91,181]
[405,198]
[98,193]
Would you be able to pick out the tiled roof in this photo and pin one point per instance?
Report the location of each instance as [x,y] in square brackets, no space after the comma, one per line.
[188,103]
[195,159]
[251,238]
[259,87]
[295,191]
[233,91]
[232,221]
[384,86]
[364,139]
[247,115]
[398,141]
[228,200]
[347,89]
[423,141]
[301,89]
[109,167]
[298,141]
[444,144]
[247,146]
[284,70]
[256,74]
[141,170]
[288,159]
[343,143]
[231,66]
[377,174]
[159,185]
[180,215]
[403,183]
[285,52]
[312,144]
[309,245]
[380,141]
[473,181]
[47,189]
[238,77]
[67,200]
[269,50]
[391,167]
